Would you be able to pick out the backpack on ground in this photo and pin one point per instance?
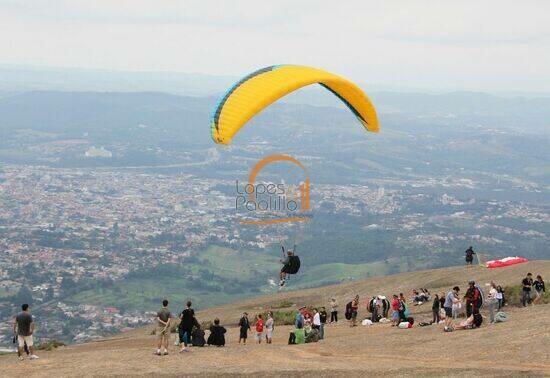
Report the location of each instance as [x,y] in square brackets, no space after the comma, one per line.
[478,320]
[501,317]
[347,314]
[197,338]
[292,339]
[312,336]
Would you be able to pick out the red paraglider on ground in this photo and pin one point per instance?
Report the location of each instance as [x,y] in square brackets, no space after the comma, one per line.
[507,261]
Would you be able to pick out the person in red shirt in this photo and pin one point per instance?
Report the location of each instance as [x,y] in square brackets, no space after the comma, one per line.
[259,328]
[472,298]
[395,310]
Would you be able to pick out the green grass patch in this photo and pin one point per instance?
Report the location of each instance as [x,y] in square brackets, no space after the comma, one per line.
[325,274]
[219,275]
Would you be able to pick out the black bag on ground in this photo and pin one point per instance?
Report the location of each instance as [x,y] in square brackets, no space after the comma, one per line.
[478,320]
[197,338]
[291,339]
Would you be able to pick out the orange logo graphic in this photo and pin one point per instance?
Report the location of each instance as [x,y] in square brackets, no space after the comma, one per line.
[289,204]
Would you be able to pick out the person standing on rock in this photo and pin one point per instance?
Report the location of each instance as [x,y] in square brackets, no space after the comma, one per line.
[354,310]
[472,298]
[470,256]
[185,328]
[526,284]
[448,306]
[244,327]
[269,327]
[259,328]
[333,311]
[492,301]
[23,327]
[435,310]
[539,287]
[323,317]
[395,305]
[163,328]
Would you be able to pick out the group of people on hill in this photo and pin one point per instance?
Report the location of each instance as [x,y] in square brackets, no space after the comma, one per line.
[529,286]
[190,331]
[262,328]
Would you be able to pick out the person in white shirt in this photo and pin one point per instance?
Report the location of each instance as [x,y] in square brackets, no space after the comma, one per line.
[269,326]
[492,301]
[457,305]
[317,323]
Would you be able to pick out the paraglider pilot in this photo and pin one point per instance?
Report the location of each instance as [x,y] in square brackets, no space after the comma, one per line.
[470,256]
[286,261]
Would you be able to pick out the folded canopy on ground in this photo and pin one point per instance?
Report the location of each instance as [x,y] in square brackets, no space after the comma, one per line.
[507,261]
[261,88]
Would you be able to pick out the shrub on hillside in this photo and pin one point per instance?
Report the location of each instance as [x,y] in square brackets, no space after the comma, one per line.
[283,304]
[50,345]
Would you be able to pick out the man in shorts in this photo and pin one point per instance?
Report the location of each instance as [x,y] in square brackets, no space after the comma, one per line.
[448,306]
[163,328]
[23,327]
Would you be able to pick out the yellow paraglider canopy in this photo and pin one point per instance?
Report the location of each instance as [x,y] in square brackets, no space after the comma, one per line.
[263,87]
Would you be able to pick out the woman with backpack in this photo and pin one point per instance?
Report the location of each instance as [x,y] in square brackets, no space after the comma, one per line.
[539,287]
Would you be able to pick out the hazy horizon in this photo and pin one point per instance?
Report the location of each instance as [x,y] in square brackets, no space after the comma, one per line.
[496,47]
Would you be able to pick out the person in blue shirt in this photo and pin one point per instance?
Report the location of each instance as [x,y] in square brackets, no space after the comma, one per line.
[448,306]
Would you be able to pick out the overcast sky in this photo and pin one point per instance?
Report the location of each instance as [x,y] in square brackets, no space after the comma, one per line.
[448,45]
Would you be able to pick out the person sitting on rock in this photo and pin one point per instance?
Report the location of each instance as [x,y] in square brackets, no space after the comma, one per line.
[217,334]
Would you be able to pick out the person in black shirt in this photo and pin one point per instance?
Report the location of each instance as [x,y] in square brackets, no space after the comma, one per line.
[185,328]
[539,289]
[435,309]
[217,334]
[527,283]
[470,256]
[244,327]
[323,317]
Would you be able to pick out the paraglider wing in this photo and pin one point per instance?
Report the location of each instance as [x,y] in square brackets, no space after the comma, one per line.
[261,88]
